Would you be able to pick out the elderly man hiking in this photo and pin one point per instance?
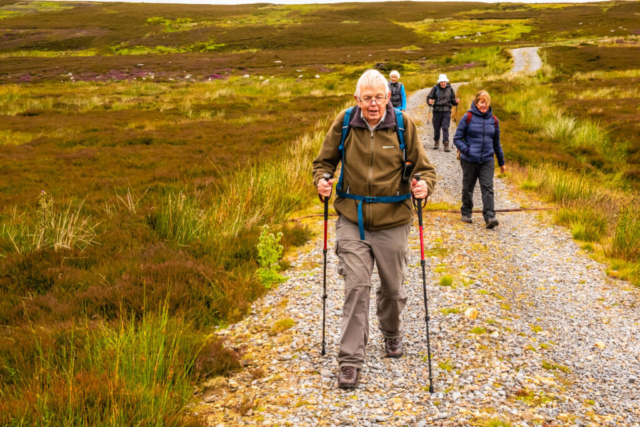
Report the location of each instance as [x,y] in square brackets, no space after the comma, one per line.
[442,97]
[378,146]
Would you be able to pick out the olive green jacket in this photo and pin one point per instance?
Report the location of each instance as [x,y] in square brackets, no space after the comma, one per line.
[374,165]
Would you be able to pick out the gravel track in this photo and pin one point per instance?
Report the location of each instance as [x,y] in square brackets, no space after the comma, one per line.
[555,341]
[526,60]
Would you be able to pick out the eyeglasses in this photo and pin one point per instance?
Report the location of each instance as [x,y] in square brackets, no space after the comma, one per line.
[368,100]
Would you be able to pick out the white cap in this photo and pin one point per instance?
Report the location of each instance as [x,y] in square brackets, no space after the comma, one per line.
[443,78]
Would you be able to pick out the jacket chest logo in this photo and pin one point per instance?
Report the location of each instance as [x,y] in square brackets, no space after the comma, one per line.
[388,146]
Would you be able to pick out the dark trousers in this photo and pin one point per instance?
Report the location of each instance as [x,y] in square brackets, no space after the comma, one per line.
[441,120]
[472,172]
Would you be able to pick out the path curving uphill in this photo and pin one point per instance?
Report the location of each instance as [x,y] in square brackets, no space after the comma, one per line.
[526,60]
[555,341]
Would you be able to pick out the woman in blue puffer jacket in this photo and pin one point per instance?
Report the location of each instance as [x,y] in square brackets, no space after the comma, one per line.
[478,140]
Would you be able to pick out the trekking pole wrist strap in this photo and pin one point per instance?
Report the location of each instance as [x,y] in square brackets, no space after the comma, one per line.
[365,199]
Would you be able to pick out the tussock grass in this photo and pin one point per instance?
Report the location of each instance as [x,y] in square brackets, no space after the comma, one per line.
[617,74]
[49,227]
[149,366]
[626,237]
[560,127]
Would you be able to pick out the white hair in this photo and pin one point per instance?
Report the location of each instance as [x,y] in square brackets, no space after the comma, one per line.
[394,73]
[371,78]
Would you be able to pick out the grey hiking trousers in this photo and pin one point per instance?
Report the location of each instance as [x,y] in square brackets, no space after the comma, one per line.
[388,249]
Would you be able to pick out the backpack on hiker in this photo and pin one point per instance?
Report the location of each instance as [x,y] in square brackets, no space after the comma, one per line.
[407,168]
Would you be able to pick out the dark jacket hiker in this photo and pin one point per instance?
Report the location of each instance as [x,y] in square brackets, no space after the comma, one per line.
[444,99]
[479,139]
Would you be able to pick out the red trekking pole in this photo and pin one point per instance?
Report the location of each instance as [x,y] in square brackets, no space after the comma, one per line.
[419,204]
[325,200]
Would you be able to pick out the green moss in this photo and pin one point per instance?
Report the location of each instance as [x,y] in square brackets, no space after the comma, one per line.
[446,280]
[281,326]
[447,365]
[478,330]
[488,30]
[531,398]
[551,366]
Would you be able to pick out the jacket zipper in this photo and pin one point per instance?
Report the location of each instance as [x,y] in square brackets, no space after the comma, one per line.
[369,207]
[482,151]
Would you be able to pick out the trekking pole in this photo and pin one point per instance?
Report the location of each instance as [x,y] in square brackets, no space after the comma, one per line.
[429,115]
[424,283]
[325,200]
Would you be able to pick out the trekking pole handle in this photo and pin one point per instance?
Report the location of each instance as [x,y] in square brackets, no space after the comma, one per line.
[418,203]
[327,177]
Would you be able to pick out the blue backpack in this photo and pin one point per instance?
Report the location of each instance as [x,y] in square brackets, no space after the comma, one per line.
[346,128]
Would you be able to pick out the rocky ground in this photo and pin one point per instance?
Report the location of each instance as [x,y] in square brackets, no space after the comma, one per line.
[530,331]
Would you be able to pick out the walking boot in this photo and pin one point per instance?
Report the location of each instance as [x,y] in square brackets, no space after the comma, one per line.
[393,347]
[467,219]
[446,147]
[492,222]
[348,377]
[436,144]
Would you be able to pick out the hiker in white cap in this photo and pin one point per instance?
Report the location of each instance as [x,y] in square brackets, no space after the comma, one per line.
[442,97]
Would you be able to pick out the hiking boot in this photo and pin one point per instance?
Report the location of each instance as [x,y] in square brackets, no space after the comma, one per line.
[436,144]
[348,377]
[467,219]
[492,222]
[446,148]
[393,347]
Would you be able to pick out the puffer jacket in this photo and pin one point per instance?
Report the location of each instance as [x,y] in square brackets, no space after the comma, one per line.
[479,140]
[373,168]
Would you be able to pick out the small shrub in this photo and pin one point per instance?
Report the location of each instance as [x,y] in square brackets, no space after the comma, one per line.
[281,326]
[269,252]
[446,280]
[216,359]
[296,235]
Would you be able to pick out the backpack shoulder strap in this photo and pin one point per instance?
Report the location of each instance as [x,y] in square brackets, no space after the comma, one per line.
[345,127]
[495,121]
[468,117]
[345,132]
[400,127]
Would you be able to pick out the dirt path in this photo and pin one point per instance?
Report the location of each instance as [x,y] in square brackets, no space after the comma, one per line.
[555,342]
[526,60]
